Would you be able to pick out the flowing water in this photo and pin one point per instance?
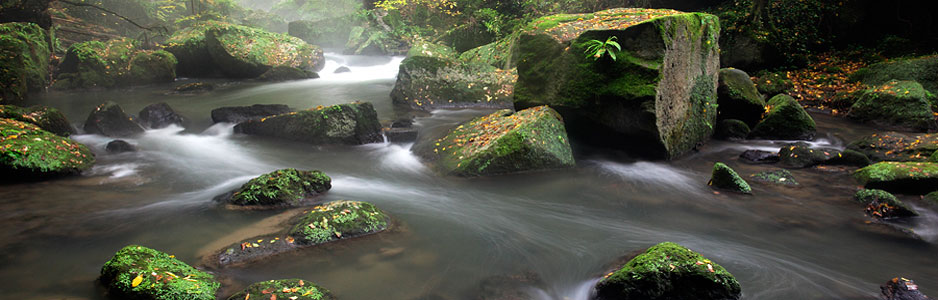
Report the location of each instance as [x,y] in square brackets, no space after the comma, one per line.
[546,235]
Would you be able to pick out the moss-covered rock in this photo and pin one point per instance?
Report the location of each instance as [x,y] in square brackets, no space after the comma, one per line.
[772,84]
[428,83]
[28,152]
[287,187]
[109,119]
[47,118]
[669,271]
[500,54]
[502,142]
[238,114]
[895,146]
[849,158]
[137,272]
[287,73]
[160,115]
[801,155]
[422,47]
[350,124]
[881,204]
[658,94]
[923,69]
[779,177]
[293,289]
[725,178]
[895,105]
[785,119]
[738,97]
[189,47]
[900,177]
[732,129]
[339,220]
[245,52]
[24,60]
[114,63]
[931,198]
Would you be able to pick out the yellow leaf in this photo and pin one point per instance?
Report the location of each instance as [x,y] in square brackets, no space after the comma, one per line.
[137,281]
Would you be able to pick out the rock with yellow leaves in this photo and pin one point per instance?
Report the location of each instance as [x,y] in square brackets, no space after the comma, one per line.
[429,82]
[899,105]
[28,152]
[292,289]
[137,272]
[343,124]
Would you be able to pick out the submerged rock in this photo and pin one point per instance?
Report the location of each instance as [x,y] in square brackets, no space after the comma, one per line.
[895,146]
[47,118]
[900,177]
[287,73]
[342,69]
[195,87]
[238,114]
[883,205]
[349,124]
[159,115]
[668,271]
[801,155]
[245,52]
[109,119]
[28,152]
[24,58]
[137,272]
[779,177]
[502,142]
[119,146]
[113,63]
[738,97]
[785,120]
[292,289]
[286,187]
[900,288]
[725,178]
[759,157]
[898,105]
[428,83]
[657,96]
[732,129]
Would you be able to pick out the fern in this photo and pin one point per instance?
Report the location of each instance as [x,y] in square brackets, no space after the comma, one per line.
[596,48]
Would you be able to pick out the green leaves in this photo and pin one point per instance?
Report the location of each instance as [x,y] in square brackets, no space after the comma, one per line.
[596,48]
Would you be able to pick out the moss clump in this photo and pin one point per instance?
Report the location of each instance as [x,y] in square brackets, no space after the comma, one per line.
[725,178]
[738,97]
[923,69]
[24,60]
[849,158]
[499,54]
[428,49]
[785,119]
[115,63]
[282,187]
[339,220]
[772,84]
[780,177]
[801,155]
[428,83]
[246,52]
[293,289]
[349,124]
[896,104]
[137,272]
[900,177]
[502,142]
[669,271]
[881,204]
[47,118]
[894,146]
[27,152]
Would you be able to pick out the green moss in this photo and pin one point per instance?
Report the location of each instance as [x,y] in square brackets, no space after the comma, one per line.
[47,118]
[931,198]
[339,220]
[116,63]
[24,60]
[894,146]
[738,97]
[725,178]
[499,54]
[899,177]
[350,124]
[293,289]
[287,186]
[882,204]
[896,104]
[923,69]
[934,157]
[780,177]
[801,155]
[27,151]
[428,83]
[785,119]
[242,51]
[161,276]
[849,158]
[772,84]
[428,49]
[669,271]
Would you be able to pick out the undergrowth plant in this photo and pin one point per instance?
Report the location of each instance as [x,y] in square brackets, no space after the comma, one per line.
[596,48]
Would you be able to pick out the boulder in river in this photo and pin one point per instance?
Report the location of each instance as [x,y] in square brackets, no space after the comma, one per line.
[292,289]
[28,152]
[159,115]
[47,118]
[883,205]
[738,97]
[428,83]
[759,157]
[900,288]
[732,129]
[499,54]
[725,178]
[920,69]
[428,49]
[668,271]
[286,187]
[849,158]
[900,105]
[895,146]
[119,146]
[113,63]
[348,124]
[195,87]
[190,49]
[772,84]
[109,119]
[785,120]
[801,155]
[137,272]
[238,114]
[778,177]
[916,178]
[656,98]
[501,142]
[24,58]
[245,52]
[342,69]
[287,73]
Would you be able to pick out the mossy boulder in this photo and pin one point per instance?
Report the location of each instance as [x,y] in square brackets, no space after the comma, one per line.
[668,271]
[849,158]
[238,114]
[28,152]
[332,33]
[900,177]
[137,272]
[501,142]
[738,97]
[500,54]
[293,289]
[429,83]
[732,129]
[24,60]
[801,155]
[160,115]
[895,146]
[785,119]
[772,84]
[923,69]
[659,94]
[287,187]
[287,73]
[112,64]
[725,178]
[881,204]
[898,105]
[245,52]
[337,220]
[109,119]
[349,124]
[47,118]
[189,47]
[778,177]
[422,47]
